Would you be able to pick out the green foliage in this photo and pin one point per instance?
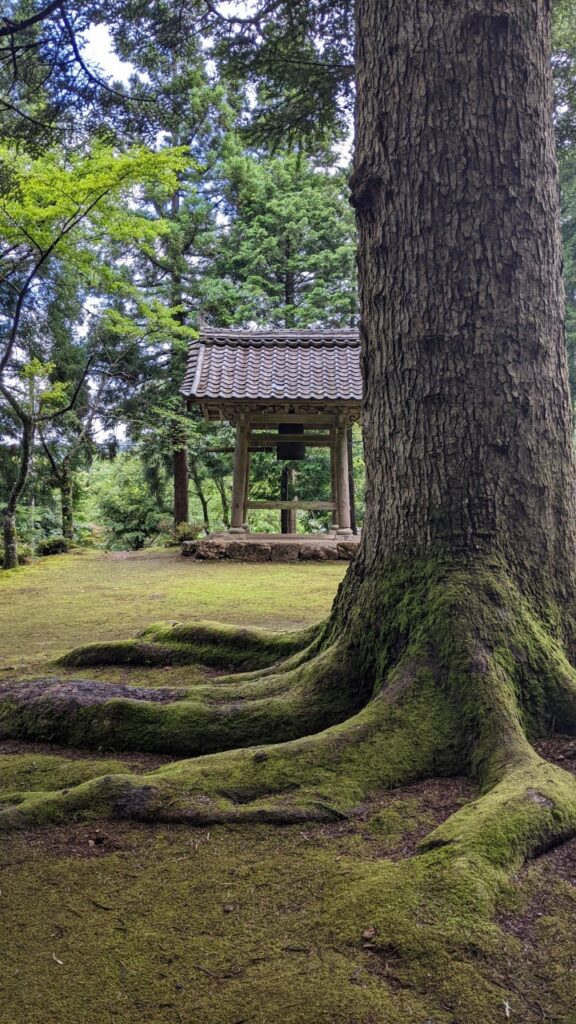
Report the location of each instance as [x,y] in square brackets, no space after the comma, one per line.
[189,531]
[121,501]
[286,257]
[53,546]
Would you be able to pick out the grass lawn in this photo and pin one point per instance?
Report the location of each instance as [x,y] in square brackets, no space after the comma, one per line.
[118,923]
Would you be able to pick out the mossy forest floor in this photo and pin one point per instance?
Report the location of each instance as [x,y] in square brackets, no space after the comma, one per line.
[117,923]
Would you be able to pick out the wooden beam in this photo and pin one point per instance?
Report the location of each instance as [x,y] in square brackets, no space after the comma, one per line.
[313,440]
[265,418]
[325,506]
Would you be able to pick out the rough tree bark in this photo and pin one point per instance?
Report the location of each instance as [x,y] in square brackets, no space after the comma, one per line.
[180,471]
[222,487]
[66,487]
[468,431]
[9,517]
[197,481]
[179,435]
[448,648]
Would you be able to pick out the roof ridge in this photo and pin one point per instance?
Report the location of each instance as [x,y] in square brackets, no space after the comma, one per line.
[289,337]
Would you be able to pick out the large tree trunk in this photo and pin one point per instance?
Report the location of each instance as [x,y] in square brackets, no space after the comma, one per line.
[467,420]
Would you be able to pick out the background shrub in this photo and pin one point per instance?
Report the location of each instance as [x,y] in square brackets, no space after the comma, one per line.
[53,546]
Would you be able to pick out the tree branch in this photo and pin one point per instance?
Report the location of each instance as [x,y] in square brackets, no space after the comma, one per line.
[13,27]
[72,402]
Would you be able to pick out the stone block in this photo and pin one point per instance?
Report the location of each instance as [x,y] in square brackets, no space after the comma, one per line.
[248,551]
[285,552]
[318,553]
[347,549]
[211,549]
[189,547]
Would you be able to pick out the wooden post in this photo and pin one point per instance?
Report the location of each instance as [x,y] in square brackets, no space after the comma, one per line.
[343,482]
[351,484]
[240,476]
[247,484]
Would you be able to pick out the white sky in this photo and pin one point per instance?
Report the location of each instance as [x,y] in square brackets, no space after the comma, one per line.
[98,50]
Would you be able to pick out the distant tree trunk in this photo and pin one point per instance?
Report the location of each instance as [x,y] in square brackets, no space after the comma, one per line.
[180,469]
[219,481]
[197,481]
[66,486]
[289,286]
[9,518]
[287,515]
[179,436]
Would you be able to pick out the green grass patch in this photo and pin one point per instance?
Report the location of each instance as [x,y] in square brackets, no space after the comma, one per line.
[68,600]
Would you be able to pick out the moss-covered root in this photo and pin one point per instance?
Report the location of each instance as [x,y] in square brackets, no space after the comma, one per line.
[440,904]
[323,776]
[205,643]
[475,671]
[242,711]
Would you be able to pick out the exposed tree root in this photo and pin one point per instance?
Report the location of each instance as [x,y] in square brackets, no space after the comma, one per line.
[319,777]
[305,694]
[205,643]
[457,672]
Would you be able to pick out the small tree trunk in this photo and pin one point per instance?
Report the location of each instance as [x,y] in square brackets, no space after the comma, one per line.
[287,515]
[10,541]
[66,485]
[224,500]
[180,465]
[196,479]
[10,536]
[289,286]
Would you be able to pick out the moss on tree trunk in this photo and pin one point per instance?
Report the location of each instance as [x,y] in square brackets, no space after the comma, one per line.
[10,540]
[66,485]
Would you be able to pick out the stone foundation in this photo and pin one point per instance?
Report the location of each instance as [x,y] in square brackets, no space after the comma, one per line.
[272,547]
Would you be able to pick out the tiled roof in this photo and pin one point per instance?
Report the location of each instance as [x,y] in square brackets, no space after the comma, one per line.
[260,365]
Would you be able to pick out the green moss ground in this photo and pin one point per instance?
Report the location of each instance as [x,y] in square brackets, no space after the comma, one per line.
[64,601]
[343,923]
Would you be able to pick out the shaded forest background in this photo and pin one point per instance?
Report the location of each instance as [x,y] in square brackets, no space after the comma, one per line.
[212,184]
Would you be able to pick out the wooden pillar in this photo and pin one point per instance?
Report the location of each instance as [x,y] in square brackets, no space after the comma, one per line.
[240,476]
[247,483]
[351,483]
[342,480]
